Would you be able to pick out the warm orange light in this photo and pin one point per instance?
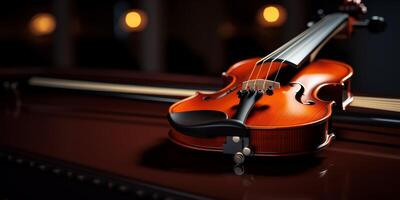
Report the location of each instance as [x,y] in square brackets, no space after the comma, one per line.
[135,20]
[42,24]
[271,14]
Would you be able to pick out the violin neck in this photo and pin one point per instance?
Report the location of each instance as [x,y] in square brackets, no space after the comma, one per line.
[306,45]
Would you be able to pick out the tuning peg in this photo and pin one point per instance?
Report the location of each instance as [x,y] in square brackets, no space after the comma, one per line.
[354,8]
[375,24]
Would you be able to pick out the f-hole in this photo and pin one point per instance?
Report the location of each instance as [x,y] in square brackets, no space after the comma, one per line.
[300,93]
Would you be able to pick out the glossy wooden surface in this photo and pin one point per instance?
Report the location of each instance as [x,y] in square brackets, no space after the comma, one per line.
[128,139]
[279,124]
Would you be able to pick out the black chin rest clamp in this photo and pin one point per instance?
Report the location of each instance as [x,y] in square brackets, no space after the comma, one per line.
[206,124]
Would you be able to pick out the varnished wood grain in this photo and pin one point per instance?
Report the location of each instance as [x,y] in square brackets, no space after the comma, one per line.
[304,128]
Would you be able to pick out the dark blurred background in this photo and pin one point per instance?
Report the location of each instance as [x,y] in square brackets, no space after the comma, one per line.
[202,37]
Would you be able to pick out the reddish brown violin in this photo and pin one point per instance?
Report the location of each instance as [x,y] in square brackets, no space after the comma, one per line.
[278,105]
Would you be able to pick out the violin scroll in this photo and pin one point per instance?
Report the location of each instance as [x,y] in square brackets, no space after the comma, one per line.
[375,24]
[357,10]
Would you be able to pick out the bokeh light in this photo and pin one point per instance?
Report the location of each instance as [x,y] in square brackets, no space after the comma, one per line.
[42,24]
[272,15]
[134,20]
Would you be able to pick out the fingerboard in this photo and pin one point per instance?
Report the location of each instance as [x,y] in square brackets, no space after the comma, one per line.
[306,45]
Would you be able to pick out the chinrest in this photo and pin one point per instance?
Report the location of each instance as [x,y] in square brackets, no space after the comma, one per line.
[206,123]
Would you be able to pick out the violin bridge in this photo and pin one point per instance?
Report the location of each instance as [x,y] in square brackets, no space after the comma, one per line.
[260,84]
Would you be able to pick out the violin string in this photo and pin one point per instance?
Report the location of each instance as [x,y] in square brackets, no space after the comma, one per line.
[258,62]
[252,71]
[269,68]
[272,54]
[284,46]
[291,53]
[265,59]
[308,32]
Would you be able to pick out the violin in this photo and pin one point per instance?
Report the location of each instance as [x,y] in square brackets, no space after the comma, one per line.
[278,105]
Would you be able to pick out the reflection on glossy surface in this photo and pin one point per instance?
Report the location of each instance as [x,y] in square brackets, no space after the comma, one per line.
[131,141]
[331,174]
[170,157]
[258,177]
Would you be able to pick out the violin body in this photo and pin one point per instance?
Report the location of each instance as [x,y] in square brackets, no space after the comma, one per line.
[294,120]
